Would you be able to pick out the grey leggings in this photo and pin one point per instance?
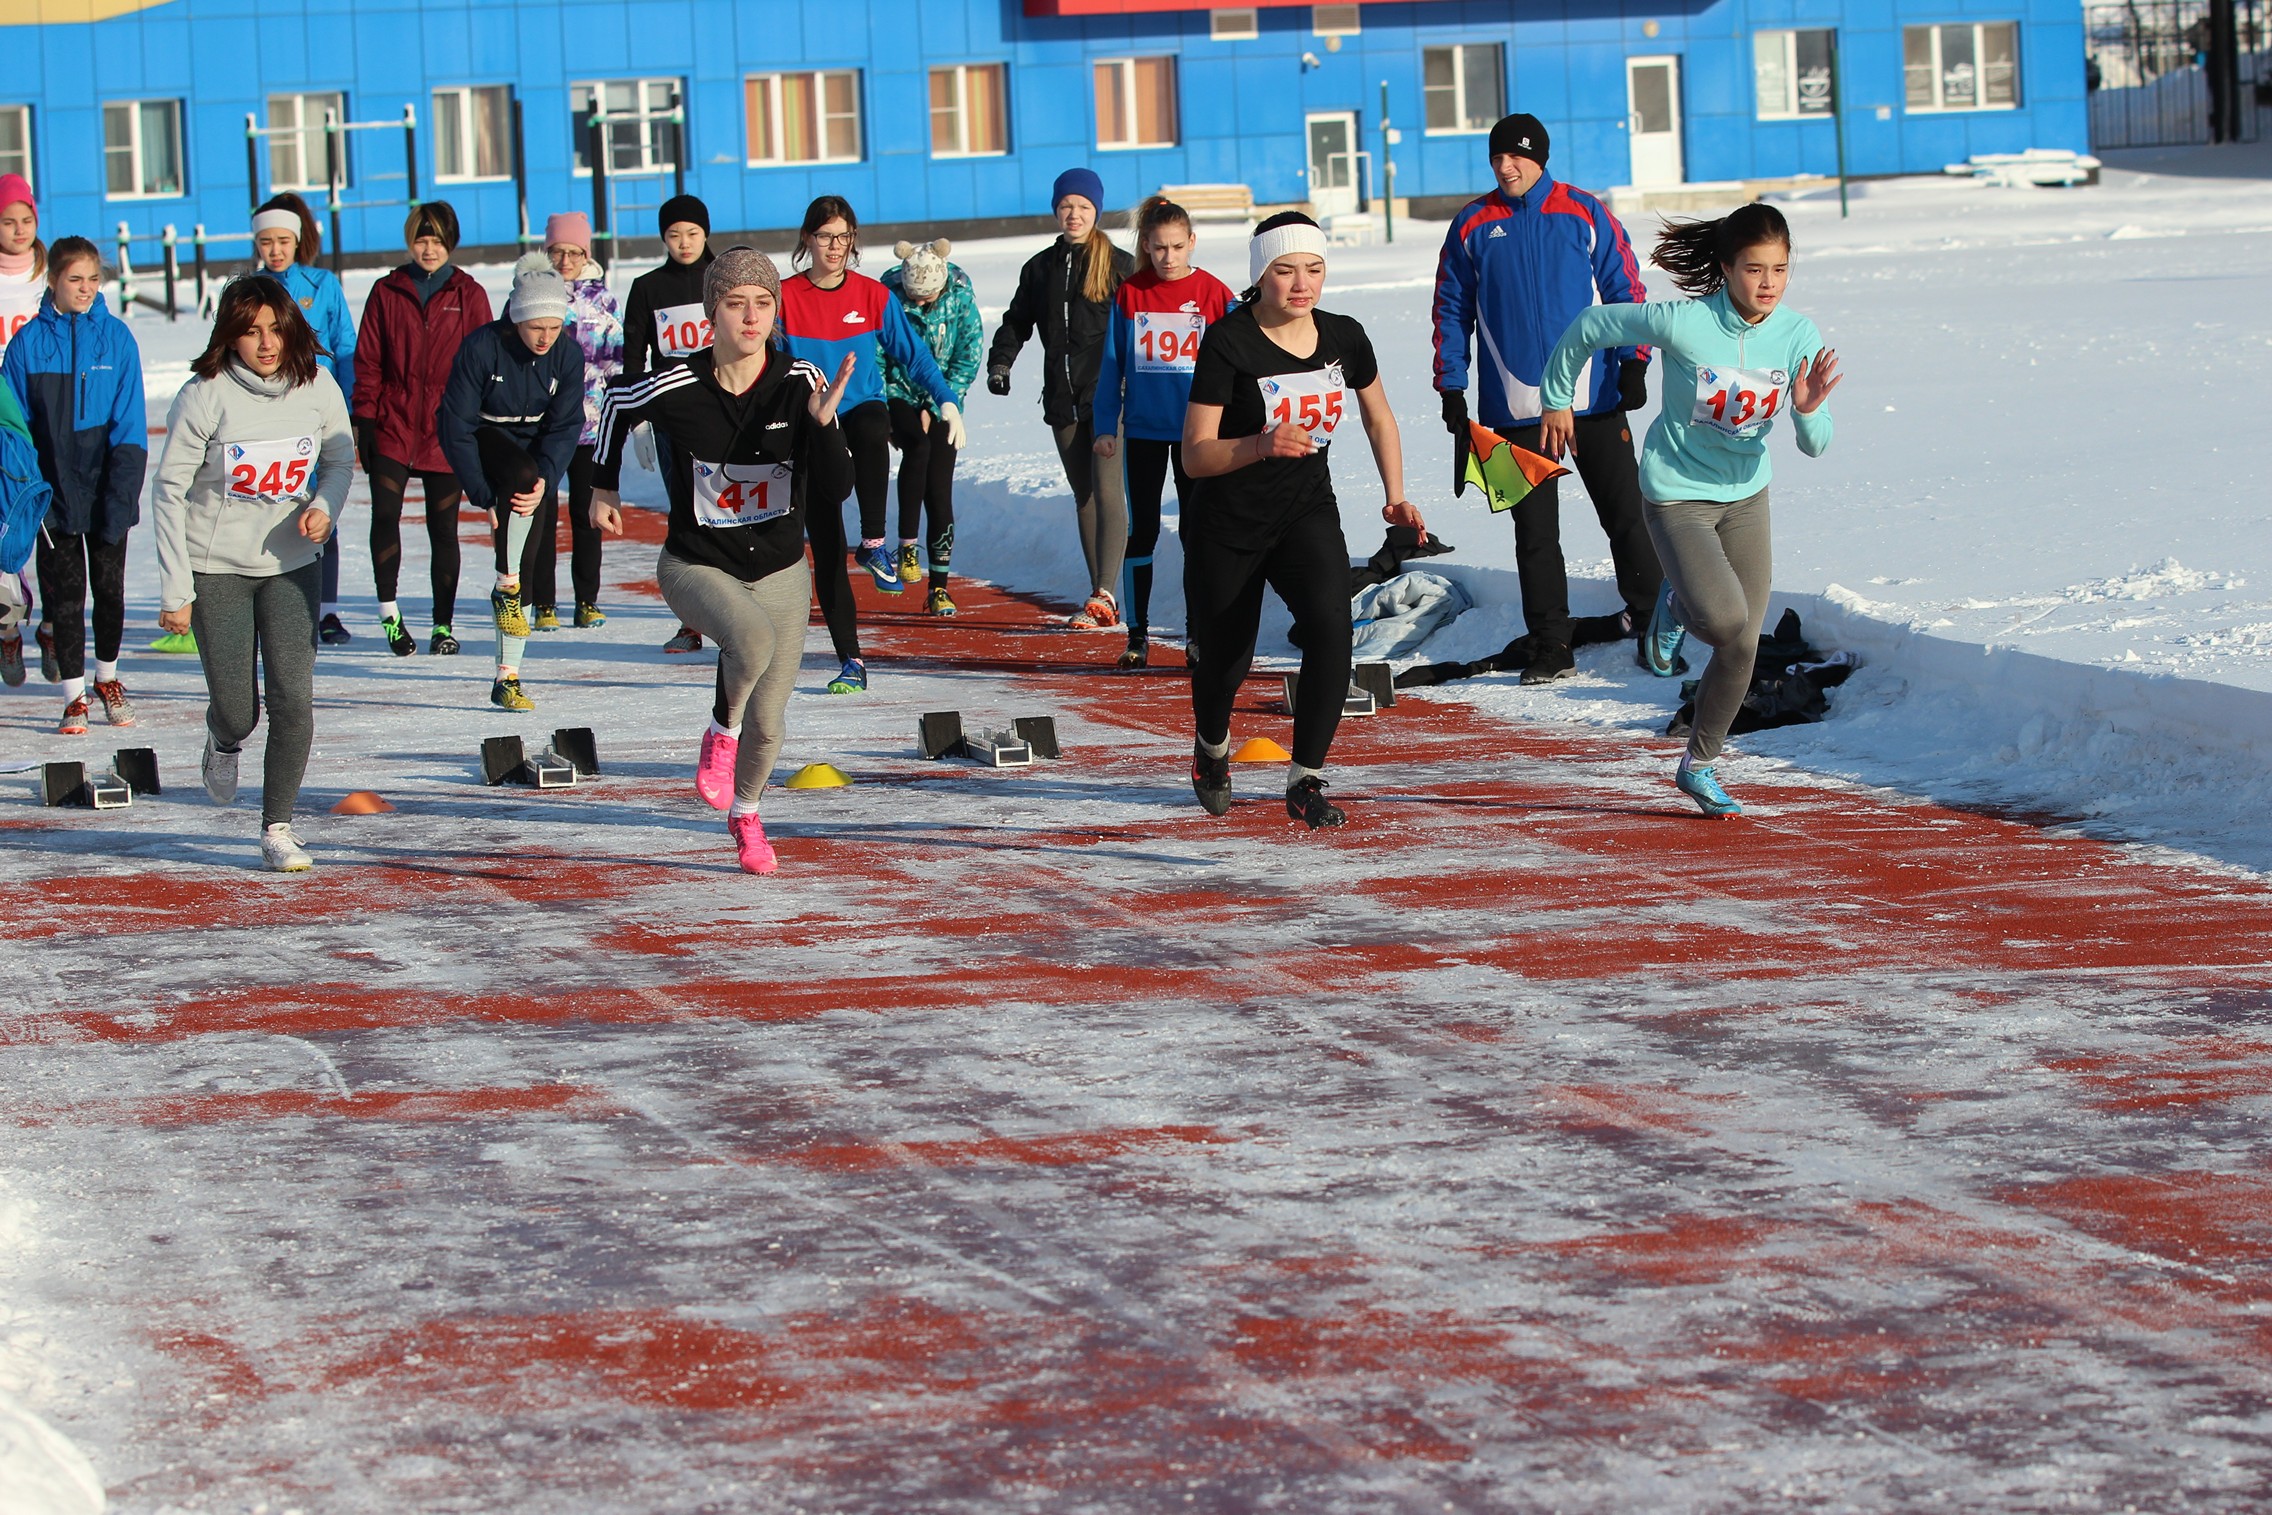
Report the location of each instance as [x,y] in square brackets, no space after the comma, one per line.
[1100,503]
[1719,559]
[240,621]
[760,632]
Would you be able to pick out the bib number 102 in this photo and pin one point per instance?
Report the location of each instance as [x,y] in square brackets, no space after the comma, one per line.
[1311,412]
[281,480]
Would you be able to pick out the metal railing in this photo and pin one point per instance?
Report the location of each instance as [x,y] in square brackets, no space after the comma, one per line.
[2176,73]
[335,165]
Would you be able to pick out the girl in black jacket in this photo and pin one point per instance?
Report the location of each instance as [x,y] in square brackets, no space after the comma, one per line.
[1066,289]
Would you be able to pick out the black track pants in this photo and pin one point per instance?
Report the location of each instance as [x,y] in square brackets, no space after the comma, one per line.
[1308,565]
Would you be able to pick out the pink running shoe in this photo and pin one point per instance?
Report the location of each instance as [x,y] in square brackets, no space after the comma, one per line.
[749,835]
[714,774]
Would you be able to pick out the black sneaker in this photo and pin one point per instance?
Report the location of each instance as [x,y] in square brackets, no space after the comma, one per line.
[399,640]
[334,632]
[1306,802]
[1548,664]
[1211,780]
[1137,654]
[442,644]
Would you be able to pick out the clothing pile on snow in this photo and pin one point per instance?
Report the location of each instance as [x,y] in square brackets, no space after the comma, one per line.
[1397,615]
[1585,631]
[1398,547]
[1790,683]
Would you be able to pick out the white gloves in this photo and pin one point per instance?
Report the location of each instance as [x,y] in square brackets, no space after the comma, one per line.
[950,414]
[643,443]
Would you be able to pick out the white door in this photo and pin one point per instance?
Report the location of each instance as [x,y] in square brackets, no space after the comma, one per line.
[1652,101]
[1333,163]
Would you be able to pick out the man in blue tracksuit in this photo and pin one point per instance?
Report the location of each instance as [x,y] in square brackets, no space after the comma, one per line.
[1518,266]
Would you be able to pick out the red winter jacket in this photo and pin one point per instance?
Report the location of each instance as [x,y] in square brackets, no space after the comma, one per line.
[403,355]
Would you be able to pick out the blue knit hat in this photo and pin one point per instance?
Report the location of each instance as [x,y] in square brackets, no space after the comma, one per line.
[1077,181]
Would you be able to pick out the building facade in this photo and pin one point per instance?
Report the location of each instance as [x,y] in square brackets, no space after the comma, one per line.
[944,112]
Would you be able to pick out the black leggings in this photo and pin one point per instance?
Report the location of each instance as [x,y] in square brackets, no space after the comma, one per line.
[1308,564]
[832,585]
[508,469]
[867,432]
[69,566]
[926,480]
[388,481]
[540,575]
[1148,465]
[1605,463]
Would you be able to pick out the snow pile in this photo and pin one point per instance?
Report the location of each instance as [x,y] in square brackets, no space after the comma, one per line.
[40,1472]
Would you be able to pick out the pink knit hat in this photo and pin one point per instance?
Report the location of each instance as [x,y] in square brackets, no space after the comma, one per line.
[570,228]
[13,188]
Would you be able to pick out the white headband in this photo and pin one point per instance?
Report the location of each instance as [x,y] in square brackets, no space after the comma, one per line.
[276,220]
[1269,246]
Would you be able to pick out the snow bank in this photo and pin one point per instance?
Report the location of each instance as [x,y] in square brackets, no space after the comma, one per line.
[40,1472]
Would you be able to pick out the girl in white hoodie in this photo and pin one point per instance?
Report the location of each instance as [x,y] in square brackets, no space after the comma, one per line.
[258,458]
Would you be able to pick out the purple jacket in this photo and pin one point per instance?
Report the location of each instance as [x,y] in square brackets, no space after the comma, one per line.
[599,331]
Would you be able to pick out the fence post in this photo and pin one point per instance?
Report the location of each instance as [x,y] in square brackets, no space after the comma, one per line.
[1388,171]
[334,153]
[197,250]
[1838,116]
[173,272]
[678,143]
[410,151]
[595,139]
[125,271]
[252,159]
[520,169]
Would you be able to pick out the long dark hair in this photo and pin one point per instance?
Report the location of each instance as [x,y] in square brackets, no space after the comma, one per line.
[1283,218]
[817,215]
[311,235]
[243,300]
[1697,253]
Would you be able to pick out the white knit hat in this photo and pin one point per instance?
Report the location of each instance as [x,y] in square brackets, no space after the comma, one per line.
[1269,246]
[538,295]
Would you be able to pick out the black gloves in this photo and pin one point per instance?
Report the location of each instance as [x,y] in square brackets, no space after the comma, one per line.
[1455,411]
[997,381]
[1633,384]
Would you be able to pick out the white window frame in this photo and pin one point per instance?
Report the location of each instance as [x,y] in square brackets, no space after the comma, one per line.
[303,135]
[1127,67]
[1459,50]
[962,73]
[776,99]
[135,147]
[23,115]
[1234,25]
[1787,40]
[461,106]
[1336,21]
[651,118]
[1979,30]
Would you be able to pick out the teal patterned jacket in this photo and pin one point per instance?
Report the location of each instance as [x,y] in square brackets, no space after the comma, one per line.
[951,326]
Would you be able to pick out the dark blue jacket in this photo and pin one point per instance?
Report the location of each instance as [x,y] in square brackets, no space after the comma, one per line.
[537,401]
[79,381]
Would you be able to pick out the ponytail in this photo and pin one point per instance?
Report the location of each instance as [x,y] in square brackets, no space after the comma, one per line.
[1158,211]
[39,259]
[1100,279]
[1697,253]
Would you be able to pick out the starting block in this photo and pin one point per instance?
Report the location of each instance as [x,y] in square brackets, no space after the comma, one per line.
[580,748]
[504,760]
[132,771]
[940,734]
[1377,680]
[1358,701]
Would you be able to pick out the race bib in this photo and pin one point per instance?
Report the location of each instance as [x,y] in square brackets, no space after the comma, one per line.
[740,494]
[1167,341]
[1738,401]
[280,470]
[18,304]
[681,331]
[1312,401]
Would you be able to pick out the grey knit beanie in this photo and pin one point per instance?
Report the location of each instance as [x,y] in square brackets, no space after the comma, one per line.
[538,295]
[734,268]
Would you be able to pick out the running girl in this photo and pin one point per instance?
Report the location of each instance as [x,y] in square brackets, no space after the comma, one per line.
[1151,346]
[753,438]
[1737,358]
[413,324]
[77,377]
[286,243]
[1266,399]
[258,459]
[1066,290]
[943,309]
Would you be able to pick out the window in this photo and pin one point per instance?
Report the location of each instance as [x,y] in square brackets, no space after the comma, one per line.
[1791,71]
[1972,66]
[16,142]
[297,157]
[141,148]
[1233,26]
[969,110]
[1136,102]
[641,137]
[809,118]
[473,132]
[1333,21]
[1464,86]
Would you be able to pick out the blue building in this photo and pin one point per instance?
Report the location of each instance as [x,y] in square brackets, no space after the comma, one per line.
[943,113]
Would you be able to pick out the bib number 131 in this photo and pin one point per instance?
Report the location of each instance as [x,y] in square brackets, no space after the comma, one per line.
[1735,401]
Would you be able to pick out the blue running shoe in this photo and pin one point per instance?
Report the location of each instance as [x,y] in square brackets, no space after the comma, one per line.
[851,679]
[1659,647]
[881,566]
[1700,785]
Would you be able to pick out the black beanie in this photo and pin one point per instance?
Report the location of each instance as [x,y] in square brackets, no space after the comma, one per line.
[1521,135]
[682,208]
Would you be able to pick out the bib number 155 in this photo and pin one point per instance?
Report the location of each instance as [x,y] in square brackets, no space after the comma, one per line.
[1314,413]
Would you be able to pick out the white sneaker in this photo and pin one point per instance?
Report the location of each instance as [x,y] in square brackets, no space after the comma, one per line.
[282,851]
[220,773]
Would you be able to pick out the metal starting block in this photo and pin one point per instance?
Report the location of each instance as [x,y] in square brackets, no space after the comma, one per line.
[1359,700]
[133,771]
[1377,680]
[940,734]
[504,760]
[580,748]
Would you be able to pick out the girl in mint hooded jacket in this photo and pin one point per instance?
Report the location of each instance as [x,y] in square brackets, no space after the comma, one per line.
[1736,361]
